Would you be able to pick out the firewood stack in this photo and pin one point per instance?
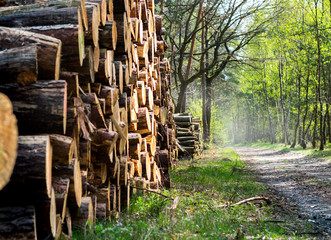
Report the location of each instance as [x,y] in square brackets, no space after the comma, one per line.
[188,134]
[90,89]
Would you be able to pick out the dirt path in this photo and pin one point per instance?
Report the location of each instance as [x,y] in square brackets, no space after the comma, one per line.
[303,182]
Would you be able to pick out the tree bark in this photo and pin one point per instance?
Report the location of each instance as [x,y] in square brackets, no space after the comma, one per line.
[19,65]
[299,112]
[181,97]
[44,109]
[49,50]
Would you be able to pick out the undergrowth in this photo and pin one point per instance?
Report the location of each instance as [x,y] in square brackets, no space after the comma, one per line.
[202,188]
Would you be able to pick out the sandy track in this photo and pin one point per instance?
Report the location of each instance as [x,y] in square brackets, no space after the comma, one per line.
[303,182]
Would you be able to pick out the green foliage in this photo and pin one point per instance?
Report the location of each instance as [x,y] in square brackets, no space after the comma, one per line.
[294,47]
[218,134]
[219,177]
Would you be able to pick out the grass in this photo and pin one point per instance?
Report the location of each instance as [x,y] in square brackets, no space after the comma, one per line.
[218,177]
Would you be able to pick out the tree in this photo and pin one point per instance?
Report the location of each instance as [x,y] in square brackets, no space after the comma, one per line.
[230,28]
[296,84]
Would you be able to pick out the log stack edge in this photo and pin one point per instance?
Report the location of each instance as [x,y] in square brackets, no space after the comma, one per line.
[90,89]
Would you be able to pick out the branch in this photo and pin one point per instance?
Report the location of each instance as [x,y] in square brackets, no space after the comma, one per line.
[268,201]
[151,191]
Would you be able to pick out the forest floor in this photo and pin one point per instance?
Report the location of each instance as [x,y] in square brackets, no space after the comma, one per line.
[209,199]
[299,181]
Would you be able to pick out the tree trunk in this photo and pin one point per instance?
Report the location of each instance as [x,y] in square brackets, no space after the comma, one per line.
[181,97]
[299,113]
[208,108]
[304,130]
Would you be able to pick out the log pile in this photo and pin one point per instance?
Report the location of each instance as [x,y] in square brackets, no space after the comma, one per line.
[90,89]
[188,133]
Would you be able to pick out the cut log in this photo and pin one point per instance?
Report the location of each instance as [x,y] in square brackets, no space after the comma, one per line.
[61,189]
[186,138]
[19,65]
[146,165]
[137,168]
[33,168]
[164,159]
[149,98]
[183,124]
[153,172]
[86,71]
[143,145]
[189,149]
[43,109]
[134,151]
[130,170]
[42,16]
[144,122]
[119,75]
[103,197]
[134,138]
[121,6]
[142,50]
[111,96]
[91,20]
[101,211]
[125,197]
[103,9]
[74,174]
[151,144]
[83,215]
[134,103]
[85,154]
[187,143]
[49,49]
[67,226]
[108,35]
[45,217]
[63,149]
[123,33]
[112,197]
[71,36]
[158,24]
[123,171]
[72,83]
[99,172]
[8,140]
[17,222]
[105,137]
[141,90]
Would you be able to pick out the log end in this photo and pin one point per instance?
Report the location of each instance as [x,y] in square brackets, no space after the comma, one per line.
[8,140]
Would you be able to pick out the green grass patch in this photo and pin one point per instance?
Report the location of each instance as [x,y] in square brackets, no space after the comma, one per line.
[218,177]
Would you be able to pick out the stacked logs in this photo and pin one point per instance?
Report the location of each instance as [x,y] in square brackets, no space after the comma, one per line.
[188,134]
[90,89]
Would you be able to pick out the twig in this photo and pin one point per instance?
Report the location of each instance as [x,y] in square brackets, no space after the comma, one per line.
[268,201]
[147,190]
[308,233]
[210,207]
[274,221]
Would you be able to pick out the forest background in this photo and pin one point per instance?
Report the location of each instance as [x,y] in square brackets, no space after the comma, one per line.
[253,70]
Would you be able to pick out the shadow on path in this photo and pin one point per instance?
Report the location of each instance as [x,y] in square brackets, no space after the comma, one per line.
[304,182]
